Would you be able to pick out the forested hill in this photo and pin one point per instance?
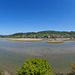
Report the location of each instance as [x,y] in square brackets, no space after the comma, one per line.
[42,34]
[57,32]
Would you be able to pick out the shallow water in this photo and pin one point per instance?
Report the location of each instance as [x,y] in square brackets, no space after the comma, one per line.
[13,54]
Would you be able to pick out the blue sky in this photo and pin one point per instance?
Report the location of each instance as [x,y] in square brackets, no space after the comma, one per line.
[36,15]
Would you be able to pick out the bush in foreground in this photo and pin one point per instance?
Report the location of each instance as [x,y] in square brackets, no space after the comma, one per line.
[1,70]
[35,67]
[72,68]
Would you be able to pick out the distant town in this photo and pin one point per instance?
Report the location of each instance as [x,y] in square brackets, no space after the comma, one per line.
[42,34]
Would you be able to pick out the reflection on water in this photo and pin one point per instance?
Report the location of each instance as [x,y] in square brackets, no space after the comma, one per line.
[13,54]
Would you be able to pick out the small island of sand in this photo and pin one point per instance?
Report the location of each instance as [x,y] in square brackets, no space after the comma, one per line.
[24,39]
[57,40]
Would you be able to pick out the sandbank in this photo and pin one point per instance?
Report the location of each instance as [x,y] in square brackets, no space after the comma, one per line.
[57,40]
[24,39]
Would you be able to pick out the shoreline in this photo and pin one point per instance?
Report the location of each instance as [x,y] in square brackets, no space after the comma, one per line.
[55,72]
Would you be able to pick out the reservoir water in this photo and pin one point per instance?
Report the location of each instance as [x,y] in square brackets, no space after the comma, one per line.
[14,53]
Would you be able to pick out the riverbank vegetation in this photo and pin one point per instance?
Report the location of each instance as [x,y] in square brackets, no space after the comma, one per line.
[1,71]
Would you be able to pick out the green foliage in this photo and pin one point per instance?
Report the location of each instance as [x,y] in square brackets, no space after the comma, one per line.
[1,70]
[35,67]
[72,68]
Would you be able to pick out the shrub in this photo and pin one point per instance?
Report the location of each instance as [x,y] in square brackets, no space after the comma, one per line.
[72,67]
[35,67]
[1,70]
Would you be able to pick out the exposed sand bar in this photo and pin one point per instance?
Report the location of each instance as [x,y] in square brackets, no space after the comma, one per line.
[73,39]
[57,40]
[64,39]
[24,39]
